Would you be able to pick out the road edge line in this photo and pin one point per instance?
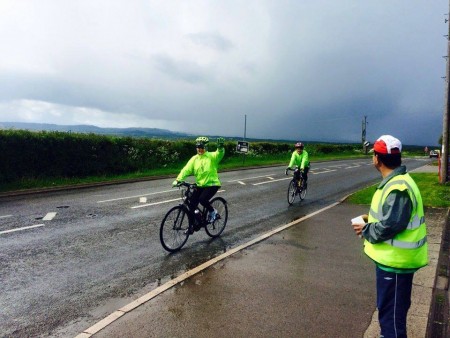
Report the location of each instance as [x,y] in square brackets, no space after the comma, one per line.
[89,332]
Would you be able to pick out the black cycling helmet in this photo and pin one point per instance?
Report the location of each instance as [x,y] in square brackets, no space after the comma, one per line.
[201,142]
[299,145]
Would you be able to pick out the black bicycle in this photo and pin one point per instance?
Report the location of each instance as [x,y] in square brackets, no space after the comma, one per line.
[180,221]
[297,187]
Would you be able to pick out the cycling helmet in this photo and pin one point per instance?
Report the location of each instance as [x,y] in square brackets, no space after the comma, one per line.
[299,145]
[201,141]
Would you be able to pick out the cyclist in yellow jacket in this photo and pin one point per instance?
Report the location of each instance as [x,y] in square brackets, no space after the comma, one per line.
[204,166]
[300,159]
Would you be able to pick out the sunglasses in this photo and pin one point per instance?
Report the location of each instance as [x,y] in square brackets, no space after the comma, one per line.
[200,147]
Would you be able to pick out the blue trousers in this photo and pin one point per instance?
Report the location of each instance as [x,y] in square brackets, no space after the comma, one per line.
[393,302]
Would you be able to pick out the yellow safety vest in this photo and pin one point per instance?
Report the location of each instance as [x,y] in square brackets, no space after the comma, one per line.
[409,248]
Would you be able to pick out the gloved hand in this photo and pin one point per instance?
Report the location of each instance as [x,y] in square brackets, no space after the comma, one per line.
[286,171]
[220,142]
[174,183]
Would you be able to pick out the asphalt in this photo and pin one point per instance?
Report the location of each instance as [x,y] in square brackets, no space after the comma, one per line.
[267,288]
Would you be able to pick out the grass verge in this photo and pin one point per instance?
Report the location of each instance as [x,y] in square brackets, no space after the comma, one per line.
[228,164]
[433,193]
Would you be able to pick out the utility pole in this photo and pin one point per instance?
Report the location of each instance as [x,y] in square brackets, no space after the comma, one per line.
[245,126]
[363,134]
[445,143]
[245,136]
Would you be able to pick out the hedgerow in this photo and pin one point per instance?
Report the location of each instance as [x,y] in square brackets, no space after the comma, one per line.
[48,154]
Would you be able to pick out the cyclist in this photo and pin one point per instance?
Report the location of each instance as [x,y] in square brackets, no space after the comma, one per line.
[204,167]
[300,159]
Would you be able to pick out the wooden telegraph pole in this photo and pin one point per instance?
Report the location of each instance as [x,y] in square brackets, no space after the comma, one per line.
[445,143]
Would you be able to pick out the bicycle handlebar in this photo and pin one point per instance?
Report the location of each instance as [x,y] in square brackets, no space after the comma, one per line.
[292,169]
[185,184]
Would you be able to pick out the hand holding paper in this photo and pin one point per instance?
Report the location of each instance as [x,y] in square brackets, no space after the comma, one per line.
[358,224]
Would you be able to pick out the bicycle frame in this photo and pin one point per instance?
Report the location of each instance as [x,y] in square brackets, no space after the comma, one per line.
[294,174]
[186,196]
[296,185]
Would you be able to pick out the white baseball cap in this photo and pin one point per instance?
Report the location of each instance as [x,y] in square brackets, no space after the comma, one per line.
[387,144]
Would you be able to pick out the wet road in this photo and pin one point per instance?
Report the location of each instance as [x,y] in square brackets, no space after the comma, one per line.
[69,258]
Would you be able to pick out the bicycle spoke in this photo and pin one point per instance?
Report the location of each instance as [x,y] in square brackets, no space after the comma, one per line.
[173,231]
[216,227]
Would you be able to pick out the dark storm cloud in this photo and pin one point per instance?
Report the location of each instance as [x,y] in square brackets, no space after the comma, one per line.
[298,69]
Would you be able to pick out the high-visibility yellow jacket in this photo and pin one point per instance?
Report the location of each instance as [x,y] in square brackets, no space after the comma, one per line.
[204,168]
[299,160]
[408,249]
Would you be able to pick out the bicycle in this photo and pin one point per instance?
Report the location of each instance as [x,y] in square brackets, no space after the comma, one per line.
[180,222]
[296,186]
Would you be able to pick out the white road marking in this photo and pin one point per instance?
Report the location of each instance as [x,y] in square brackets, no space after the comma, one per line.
[143,200]
[49,216]
[162,202]
[249,178]
[324,172]
[6,216]
[156,203]
[280,179]
[125,198]
[240,182]
[20,229]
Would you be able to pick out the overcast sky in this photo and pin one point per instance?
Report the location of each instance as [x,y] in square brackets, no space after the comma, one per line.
[300,69]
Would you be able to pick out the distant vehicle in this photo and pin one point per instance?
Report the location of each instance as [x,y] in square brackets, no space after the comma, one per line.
[434,153]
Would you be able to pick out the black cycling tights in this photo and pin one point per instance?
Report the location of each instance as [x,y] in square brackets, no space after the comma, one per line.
[202,196]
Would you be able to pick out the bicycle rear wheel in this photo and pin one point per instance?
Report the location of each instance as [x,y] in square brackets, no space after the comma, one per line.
[216,227]
[173,232]
[292,190]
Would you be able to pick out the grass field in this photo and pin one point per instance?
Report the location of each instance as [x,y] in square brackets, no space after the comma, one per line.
[433,193]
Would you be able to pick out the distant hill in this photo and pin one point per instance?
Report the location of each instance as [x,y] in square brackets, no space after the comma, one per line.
[132,132]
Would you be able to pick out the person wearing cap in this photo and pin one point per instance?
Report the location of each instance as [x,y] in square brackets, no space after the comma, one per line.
[203,166]
[395,236]
[300,159]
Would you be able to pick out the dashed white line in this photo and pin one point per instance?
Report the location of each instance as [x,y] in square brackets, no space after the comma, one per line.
[280,179]
[137,196]
[249,178]
[20,229]
[49,216]
[241,183]
[156,203]
[6,216]
[324,172]
[161,202]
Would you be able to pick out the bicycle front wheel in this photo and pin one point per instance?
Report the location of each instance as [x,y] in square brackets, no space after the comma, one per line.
[173,232]
[292,190]
[216,227]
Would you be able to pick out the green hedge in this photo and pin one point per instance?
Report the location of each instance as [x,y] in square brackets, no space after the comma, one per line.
[44,154]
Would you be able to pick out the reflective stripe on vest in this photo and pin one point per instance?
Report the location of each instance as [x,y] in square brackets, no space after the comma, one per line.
[408,249]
